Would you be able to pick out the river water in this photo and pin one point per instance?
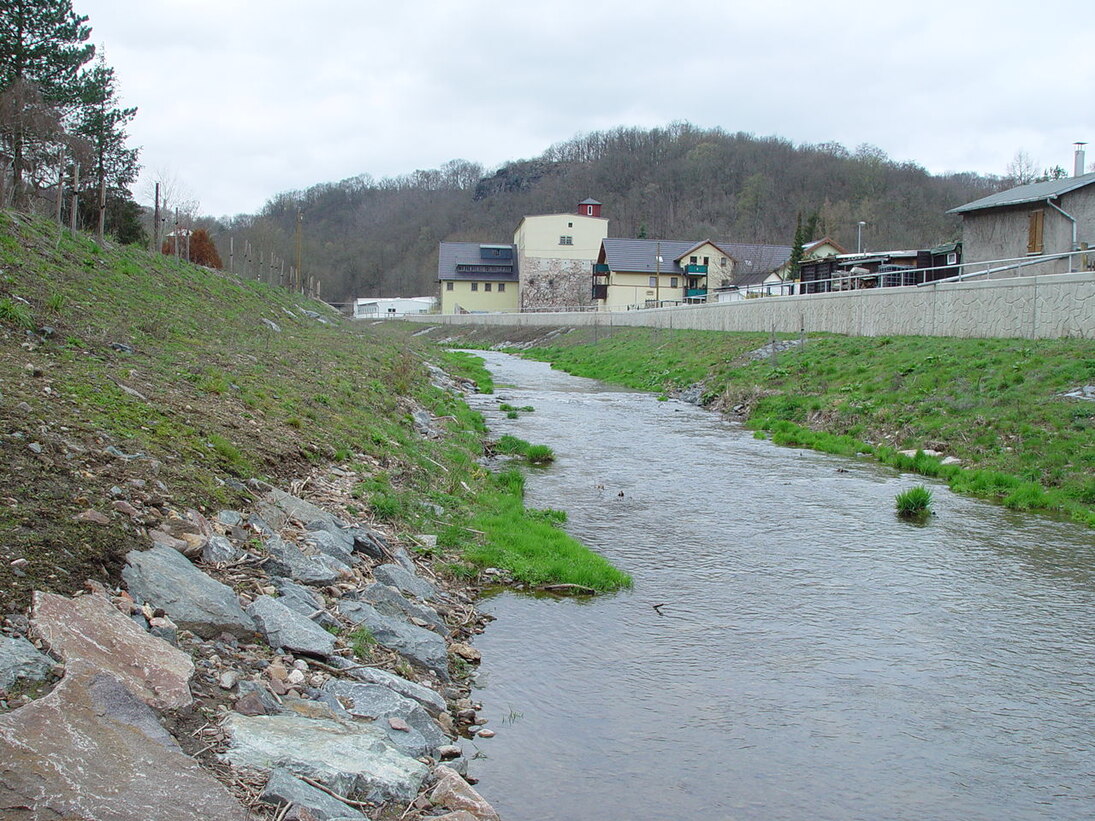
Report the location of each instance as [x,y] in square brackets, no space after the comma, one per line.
[815,657]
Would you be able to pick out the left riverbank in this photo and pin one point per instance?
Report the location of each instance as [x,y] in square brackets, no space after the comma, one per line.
[262,508]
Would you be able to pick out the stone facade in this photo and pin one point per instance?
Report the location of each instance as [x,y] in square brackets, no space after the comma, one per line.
[553,283]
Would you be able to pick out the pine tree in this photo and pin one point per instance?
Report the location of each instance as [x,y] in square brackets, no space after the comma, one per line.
[43,42]
[102,123]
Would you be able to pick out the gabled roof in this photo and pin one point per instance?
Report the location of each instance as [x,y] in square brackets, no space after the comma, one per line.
[807,247]
[697,246]
[589,201]
[752,262]
[452,254]
[1034,192]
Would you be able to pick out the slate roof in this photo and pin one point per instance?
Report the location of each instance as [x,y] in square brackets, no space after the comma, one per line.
[1034,192]
[451,254]
[753,262]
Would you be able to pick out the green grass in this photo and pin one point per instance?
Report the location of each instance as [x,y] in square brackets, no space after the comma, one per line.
[534,454]
[995,404]
[529,544]
[916,501]
[468,366]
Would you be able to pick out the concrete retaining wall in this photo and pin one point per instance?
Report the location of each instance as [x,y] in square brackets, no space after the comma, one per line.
[1041,307]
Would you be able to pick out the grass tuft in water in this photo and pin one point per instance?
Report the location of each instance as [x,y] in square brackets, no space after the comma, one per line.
[914,502]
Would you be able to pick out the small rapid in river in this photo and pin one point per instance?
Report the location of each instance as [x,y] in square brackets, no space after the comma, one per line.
[812,657]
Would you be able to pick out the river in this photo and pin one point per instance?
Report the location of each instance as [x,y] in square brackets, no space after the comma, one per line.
[814,657]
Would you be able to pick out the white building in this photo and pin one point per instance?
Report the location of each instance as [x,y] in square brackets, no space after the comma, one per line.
[392,307]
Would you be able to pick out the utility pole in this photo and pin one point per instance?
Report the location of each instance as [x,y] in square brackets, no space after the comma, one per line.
[658,275]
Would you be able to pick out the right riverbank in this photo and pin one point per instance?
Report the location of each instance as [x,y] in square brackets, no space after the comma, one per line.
[1011,420]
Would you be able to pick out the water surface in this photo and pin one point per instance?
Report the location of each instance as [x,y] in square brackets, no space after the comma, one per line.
[815,657]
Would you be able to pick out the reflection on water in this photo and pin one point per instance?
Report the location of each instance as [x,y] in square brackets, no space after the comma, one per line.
[815,656]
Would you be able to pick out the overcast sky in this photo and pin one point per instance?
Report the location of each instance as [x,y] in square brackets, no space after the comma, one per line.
[239,101]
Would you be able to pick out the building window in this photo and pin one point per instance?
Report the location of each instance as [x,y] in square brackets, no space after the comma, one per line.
[707,260]
[673,282]
[486,286]
[475,286]
[566,240]
[448,286]
[501,287]
[1035,236]
[653,282]
[589,210]
[693,260]
[952,258]
[722,261]
[570,225]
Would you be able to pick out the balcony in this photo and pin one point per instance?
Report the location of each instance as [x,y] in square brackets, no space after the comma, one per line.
[600,291]
[600,268]
[695,269]
[695,293]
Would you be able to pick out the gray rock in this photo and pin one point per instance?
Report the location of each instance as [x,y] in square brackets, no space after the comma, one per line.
[286,559]
[273,326]
[230,517]
[376,702]
[429,699]
[420,646]
[220,551]
[324,542]
[91,749]
[406,581]
[403,559]
[285,788]
[353,759]
[300,599]
[344,535]
[288,629]
[391,602]
[165,578]
[260,693]
[296,508]
[371,543]
[20,660]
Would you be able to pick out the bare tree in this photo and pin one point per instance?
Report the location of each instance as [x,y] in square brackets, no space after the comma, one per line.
[1022,169]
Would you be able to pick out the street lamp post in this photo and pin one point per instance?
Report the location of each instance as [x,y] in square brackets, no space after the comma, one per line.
[859,237]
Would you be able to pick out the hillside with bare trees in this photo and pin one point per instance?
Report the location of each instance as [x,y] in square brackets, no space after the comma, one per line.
[368,237]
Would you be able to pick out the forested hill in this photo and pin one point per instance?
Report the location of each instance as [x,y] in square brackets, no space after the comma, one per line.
[366,237]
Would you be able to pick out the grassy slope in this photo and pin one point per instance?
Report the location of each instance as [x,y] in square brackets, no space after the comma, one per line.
[996,404]
[151,356]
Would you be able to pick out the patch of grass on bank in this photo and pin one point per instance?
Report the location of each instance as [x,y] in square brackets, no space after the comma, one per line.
[995,404]
[529,543]
[468,366]
[534,454]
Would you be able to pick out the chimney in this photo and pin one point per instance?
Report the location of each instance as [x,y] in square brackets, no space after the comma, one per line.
[1078,169]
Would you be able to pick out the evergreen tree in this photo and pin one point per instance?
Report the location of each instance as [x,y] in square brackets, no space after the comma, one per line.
[102,123]
[43,42]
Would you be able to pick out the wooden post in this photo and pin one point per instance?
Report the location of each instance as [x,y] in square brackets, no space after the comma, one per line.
[60,186]
[75,194]
[102,208]
[156,223]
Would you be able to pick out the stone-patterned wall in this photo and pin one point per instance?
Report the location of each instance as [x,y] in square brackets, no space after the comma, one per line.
[554,283]
[1043,307]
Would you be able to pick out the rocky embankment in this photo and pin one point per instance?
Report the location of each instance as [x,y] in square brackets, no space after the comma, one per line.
[276,662]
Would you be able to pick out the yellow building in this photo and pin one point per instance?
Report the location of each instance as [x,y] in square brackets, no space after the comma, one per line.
[477,278]
[648,273]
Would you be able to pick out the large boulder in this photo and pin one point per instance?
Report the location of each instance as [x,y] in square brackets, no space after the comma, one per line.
[285,788]
[293,507]
[91,630]
[165,578]
[454,793]
[91,749]
[286,559]
[413,732]
[429,699]
[288,629]
[419,645]
[329,544]
[388,600]
[21,661]
[407,582]
[354,759]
